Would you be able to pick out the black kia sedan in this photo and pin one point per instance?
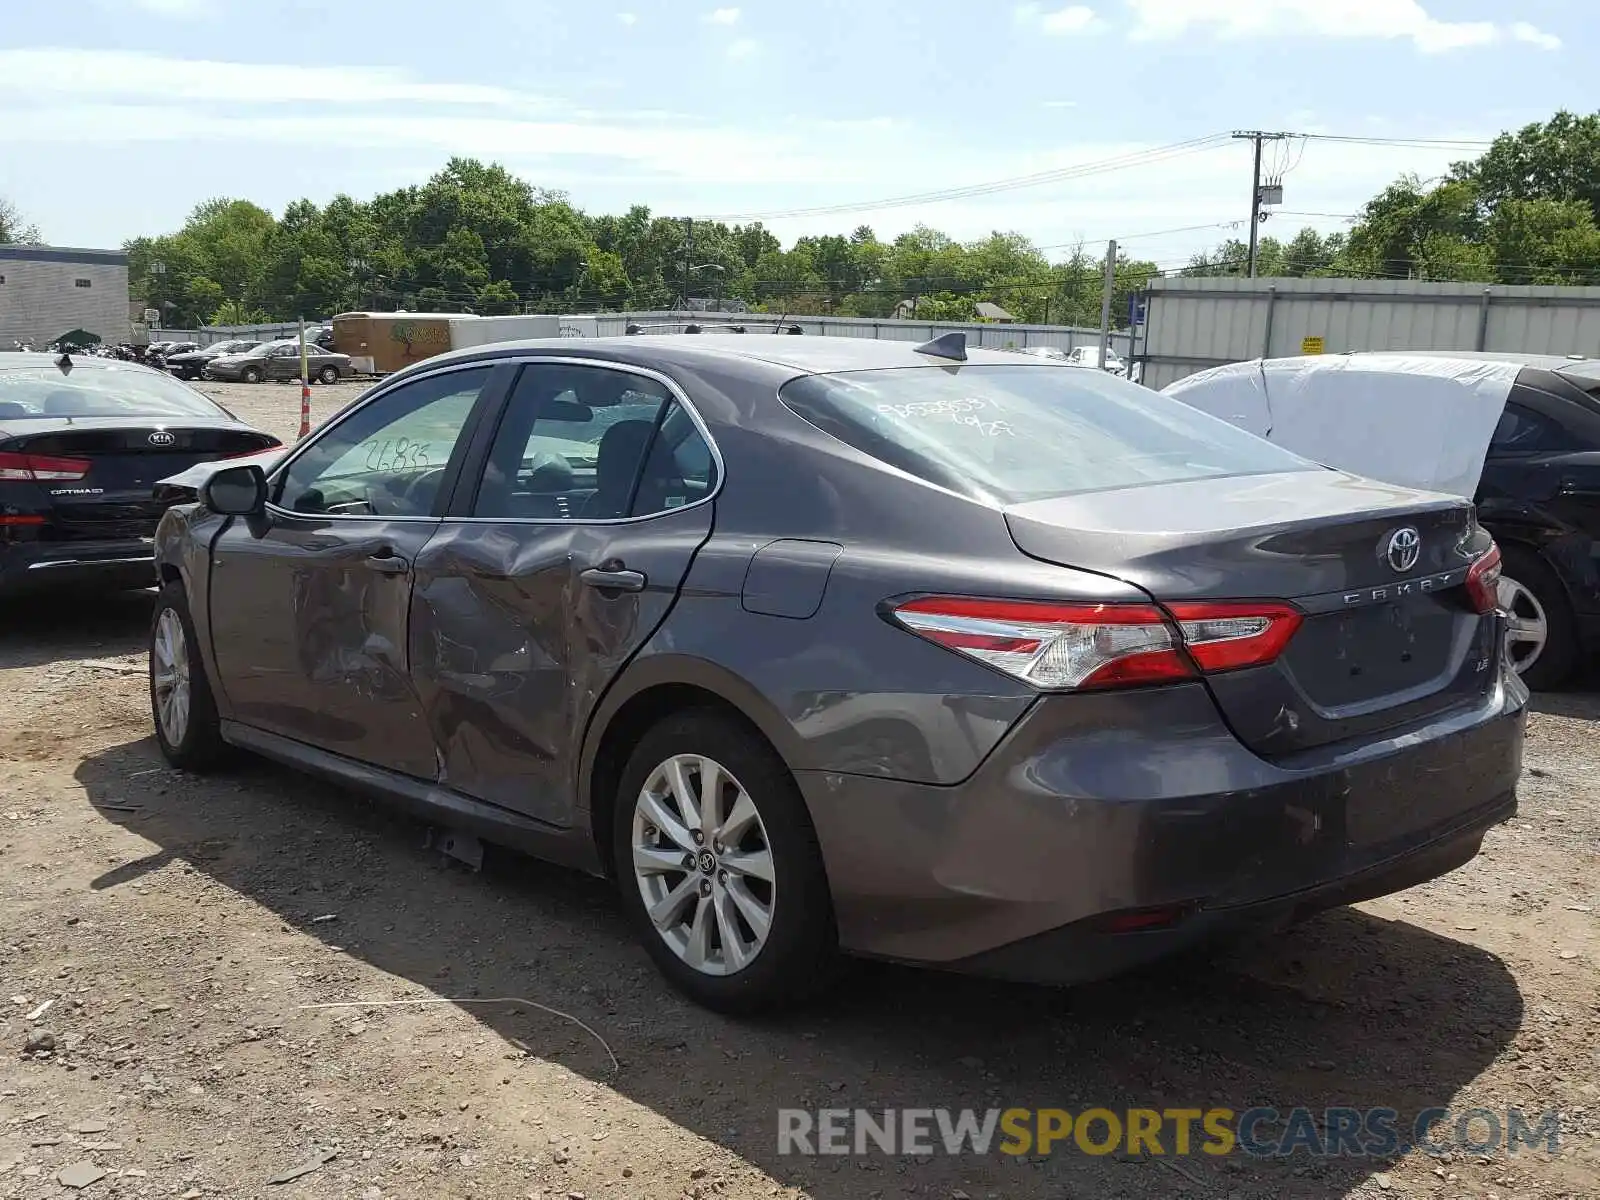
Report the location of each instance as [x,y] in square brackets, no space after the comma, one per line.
[83,441]
[823,646]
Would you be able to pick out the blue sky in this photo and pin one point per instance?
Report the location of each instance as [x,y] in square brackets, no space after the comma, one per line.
[118,116]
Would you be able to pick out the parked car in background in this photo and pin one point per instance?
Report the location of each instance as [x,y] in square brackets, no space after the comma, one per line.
[1051,353]
[83,441]
[823,644]
[1519,434]
[278,360]
[1089,356]
[191,364]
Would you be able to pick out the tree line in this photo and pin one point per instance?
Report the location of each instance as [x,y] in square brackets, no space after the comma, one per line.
[476,238]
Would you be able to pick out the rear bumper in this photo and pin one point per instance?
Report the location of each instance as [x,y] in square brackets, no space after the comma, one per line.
[1095,807]
[31,567]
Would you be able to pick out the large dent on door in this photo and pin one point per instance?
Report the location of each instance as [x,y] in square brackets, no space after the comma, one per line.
[339,616]
[487,648]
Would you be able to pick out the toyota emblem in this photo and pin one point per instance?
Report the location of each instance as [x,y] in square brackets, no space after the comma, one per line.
[1403,549]
[162,438]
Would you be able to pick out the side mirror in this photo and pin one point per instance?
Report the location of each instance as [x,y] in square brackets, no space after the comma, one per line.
[235,491]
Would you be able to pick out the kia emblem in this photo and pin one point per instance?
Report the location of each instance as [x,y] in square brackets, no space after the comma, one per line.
[162,438]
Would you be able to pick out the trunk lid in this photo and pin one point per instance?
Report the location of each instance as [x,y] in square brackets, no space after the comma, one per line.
[114,497]
[1378,570]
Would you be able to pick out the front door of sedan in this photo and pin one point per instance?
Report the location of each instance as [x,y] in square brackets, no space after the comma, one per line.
[591,502]
[310,605]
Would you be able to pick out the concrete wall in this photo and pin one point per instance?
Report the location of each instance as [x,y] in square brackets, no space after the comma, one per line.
[1199,323]
[41,297]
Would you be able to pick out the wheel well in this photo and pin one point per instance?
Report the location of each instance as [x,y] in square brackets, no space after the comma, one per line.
[169,573]
[627,726]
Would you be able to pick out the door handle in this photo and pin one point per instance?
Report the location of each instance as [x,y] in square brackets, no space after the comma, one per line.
[614,579]
[388,563]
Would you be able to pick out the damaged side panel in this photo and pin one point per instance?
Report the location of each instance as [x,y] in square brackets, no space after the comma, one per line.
[310,636]
[511,648]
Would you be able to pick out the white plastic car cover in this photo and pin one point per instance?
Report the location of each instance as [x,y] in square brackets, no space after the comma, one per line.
[1410,419]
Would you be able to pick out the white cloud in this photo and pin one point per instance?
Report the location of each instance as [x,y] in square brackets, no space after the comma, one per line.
[1378,19]
[628,18]
[743,48]
[89,74]
[722,16]
[1535,36]
[1074,18]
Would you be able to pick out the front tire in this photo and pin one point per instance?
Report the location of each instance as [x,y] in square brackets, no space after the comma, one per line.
[720,869]
[251,375]
[328,375]
[1542,640]
[181,704]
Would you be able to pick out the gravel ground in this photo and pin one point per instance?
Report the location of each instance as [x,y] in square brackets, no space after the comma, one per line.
[179,928]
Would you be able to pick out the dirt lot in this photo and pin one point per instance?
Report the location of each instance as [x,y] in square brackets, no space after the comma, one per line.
[180,929]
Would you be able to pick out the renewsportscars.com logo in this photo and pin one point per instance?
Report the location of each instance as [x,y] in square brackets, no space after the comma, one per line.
[1259,1132]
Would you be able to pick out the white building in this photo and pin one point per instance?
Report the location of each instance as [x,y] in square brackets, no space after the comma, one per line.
[46,291]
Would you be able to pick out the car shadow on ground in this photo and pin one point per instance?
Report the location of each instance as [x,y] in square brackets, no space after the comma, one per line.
[38,630]
[1347,1010]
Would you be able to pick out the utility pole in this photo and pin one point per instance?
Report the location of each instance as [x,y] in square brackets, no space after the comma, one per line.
[1257,199]
[1105,300]
[688,256]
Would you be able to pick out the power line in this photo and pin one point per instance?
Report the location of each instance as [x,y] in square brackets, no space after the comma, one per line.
[1058,175]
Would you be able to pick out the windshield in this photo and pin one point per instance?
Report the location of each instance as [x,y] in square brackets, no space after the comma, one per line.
[1019,433]
[99,391]
[234,347]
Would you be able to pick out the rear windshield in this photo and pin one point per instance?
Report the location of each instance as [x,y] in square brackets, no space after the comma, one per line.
[99,391]
[1019,433]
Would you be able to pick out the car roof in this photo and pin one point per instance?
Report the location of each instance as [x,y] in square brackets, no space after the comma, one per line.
[801,355]
[1585,368]
[80,362]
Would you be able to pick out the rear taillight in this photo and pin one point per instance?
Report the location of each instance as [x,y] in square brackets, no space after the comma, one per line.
[1230,635]
[1081,646]
[274,444]
[1483,581]
[31,468]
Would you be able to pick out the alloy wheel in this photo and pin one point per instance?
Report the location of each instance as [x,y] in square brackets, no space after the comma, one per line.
[1527,624]
[169,676]
[703,864]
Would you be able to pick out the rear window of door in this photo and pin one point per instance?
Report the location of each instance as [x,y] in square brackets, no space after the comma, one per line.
[1523,431]
[581,443]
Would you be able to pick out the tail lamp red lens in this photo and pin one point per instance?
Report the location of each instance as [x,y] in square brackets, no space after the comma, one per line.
[41,468]
[1483,581]
[1083,646]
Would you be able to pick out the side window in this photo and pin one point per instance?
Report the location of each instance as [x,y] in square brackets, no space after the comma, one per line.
[1523,431]
[589,444]
[388,458]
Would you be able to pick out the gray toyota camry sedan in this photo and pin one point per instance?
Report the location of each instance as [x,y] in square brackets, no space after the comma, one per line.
[830,646]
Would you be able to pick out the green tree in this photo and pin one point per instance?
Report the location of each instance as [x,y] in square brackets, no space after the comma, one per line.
[14,229]
[1556,160]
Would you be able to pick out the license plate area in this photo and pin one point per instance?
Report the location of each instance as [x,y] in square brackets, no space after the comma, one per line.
[1344,659]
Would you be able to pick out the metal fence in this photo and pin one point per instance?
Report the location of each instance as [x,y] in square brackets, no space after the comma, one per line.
[979,333]
[1193,324]
[227,333]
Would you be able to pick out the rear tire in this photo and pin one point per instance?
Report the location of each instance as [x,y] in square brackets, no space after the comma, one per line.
[251,375]
[743,921]
[181,704]
[328,375]
[1533,594]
